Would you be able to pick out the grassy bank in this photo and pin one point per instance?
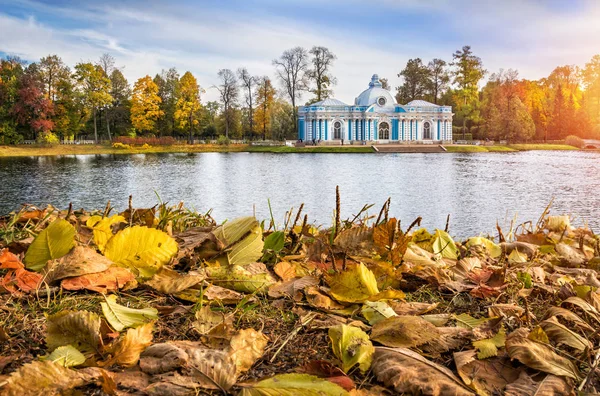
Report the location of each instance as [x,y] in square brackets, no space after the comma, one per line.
[508,148]
[319,149]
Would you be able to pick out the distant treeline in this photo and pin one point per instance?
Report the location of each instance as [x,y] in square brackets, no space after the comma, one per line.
[48,100]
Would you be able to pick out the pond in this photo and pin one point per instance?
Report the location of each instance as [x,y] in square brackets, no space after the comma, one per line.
[476,189]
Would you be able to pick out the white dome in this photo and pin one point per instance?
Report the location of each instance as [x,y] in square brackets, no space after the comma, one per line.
[373,93]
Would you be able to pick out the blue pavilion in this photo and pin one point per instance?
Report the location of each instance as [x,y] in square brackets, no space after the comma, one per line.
[375,116]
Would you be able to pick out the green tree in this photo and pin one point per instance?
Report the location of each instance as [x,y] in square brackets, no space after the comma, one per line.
[94,86]
[52,71]
[228,90]
[11,71]
[187,108]
[168,91]
[120,108]
[438,79]
[415,81]
[468,71]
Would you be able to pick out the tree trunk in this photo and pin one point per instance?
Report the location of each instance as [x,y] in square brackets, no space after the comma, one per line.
[108,126]
[190,139]
[95,127]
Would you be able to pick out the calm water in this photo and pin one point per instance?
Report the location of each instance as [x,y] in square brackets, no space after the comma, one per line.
[475,189]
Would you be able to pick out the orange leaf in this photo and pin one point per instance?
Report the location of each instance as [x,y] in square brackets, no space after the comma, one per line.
[112,279]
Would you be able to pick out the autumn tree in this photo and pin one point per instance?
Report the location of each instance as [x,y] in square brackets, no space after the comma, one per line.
[247,83]
[438,78]
[265,95]
[591,79]
[107,64]
[291,68]
[168,91]
[415,81]
[282,119]
[11,71]
[228,93]
[468,71]
[385,84]
[52,71]
[145,104]
[94,86]
[32,108]
[187,107]
[320,73]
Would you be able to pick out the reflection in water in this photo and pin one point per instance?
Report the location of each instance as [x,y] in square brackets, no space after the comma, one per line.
[475,189]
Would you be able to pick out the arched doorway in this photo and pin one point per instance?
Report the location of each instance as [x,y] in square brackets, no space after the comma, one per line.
[426,130]
[337,130]
[384,131]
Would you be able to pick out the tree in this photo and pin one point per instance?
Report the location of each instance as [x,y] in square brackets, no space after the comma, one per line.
[168,90]
[438,78]
[32,108]
[107,64]
[591,79]
[282,119]
[468,71]
[228,90]
[322,61]
[11,71]
[187,107]
[120,108]
[145,104]
[52,70]
[291,69]
[385,84]
[247,83]
[415,81]
[265,94]
[94,86]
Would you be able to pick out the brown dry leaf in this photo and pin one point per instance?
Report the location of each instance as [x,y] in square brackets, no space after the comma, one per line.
[246,347]
[285,270]
[550,385]
[355,241]
[412,308]
[143,217]
[79,261]
[169,281]
[210,294]
[126,352]
[408,372]
[318,299]
[585,306]
[208,320]
[450,339]
[47,378]
[324,369]
[113,279]
[570,256]
[505,310]
[293,287]
[200,367]
[197,241]
[538,356]
[81,329]
[561,334]
[404,331]
[487,377]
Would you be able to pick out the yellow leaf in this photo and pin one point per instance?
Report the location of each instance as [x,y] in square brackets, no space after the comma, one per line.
[444,244]
[246,347]
[516,257]
[53,242]
[102,228]
[66,356]
[120,317]
[488,347]
[493,250]
[127,350]
[352,346]
[404,331]
[143,250]
[377,311]
[292,385]
[355,284]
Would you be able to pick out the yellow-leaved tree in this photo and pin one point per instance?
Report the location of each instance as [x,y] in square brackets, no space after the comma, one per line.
[187,107]
[265,95]
[145,104]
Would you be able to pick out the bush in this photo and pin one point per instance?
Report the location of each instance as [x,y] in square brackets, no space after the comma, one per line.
[119,145]
[146,146]
[140,141]
[47,138]
[223,140]
[575,141]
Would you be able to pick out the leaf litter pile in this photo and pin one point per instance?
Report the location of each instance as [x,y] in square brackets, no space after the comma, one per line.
[164,301]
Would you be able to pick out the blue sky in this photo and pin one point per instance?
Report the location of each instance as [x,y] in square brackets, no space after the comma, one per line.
[367,36]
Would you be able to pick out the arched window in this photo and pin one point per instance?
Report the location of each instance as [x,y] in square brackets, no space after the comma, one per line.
[337,130]
[384,131]
[426,130]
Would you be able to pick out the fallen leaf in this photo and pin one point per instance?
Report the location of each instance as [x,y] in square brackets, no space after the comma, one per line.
[244,238]
[356,284]
[169,281]
[444,245]
[113,279]
[407,372]
[52,242]
[66,356]
[126,352]
[486,377]
[121,317]
[404,331]
[488,347]
[492,249]
[285,270]
[550,385]
[246,347]
[251,278]
[80,329]
[375,312]
[561,334]
[292,288]
[326,370]
[352,346]
[197,241]
[140,249]
[538,356]
[292,385]
[79,261]
[103,228]
[47,378]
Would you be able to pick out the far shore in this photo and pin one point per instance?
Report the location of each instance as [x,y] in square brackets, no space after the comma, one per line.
[36,150]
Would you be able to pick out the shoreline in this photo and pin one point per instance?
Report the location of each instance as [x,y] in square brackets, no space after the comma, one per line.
[34,150]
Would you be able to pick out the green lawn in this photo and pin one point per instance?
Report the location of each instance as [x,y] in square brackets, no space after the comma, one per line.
[525,147]
[465,149]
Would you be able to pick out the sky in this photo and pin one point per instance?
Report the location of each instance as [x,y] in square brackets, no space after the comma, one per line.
[368,37]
